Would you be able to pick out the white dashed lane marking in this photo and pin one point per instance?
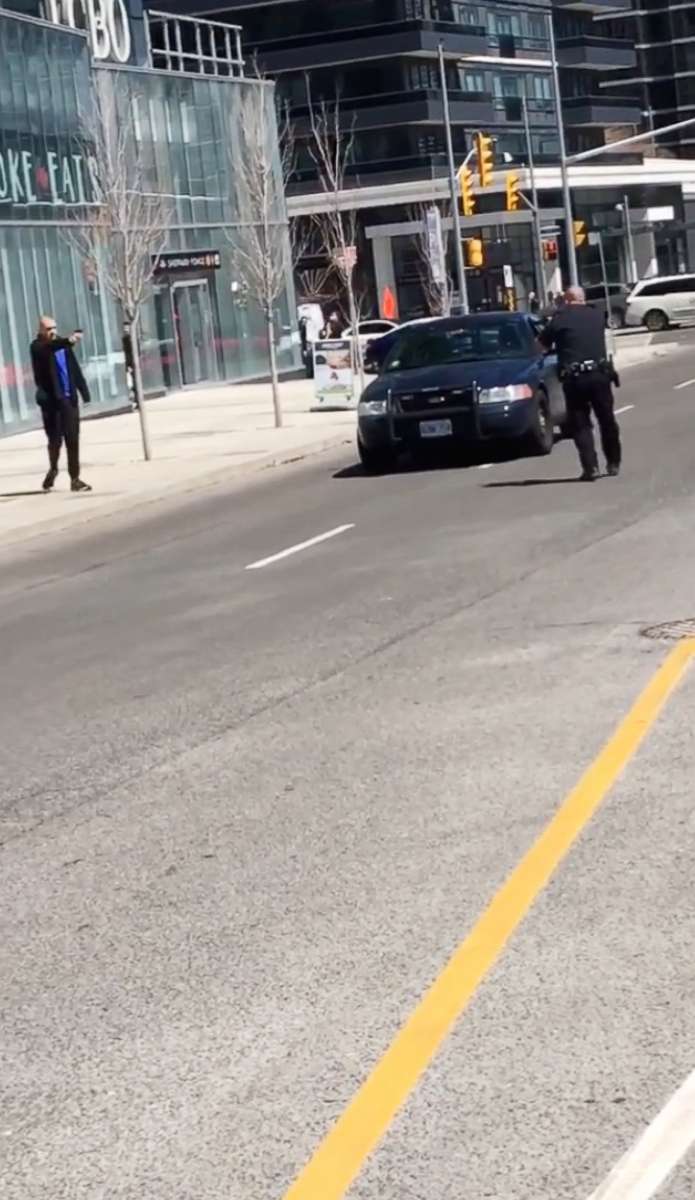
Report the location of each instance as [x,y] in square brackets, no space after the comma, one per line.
[655,1154]
[315,541]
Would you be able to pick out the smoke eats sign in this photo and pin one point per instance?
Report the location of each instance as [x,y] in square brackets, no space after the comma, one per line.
[55,178]
[106,22]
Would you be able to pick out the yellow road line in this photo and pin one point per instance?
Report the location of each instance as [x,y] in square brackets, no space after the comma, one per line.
[342,1153]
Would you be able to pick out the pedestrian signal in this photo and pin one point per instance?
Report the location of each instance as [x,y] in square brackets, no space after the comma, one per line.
[513,192]
[550,250]
[467,194]
[485,156]
[475,256]
[580,234]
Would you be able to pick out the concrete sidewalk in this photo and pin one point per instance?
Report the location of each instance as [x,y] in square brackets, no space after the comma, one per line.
[198,437]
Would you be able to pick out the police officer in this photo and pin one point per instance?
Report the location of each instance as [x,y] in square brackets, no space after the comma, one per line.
[578,333]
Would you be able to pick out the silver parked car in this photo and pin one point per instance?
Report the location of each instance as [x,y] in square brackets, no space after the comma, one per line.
[617,298]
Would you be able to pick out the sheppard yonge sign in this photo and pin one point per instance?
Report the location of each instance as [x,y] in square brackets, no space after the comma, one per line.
[52,178]
[106,22]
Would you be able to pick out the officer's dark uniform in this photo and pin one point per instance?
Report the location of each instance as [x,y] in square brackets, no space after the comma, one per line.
[578,333]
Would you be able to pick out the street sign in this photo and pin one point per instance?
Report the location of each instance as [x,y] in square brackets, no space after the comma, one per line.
[508,276]
[660,212]
[347,261]
[175,262]
[435,246]
[594,239]
[334,377]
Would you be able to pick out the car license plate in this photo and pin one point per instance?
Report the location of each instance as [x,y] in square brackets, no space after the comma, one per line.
[434,429]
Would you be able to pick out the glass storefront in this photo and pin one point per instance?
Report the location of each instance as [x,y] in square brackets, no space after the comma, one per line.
[199,325]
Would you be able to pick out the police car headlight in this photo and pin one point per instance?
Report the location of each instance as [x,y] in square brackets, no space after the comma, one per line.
[515,391]
[371,408]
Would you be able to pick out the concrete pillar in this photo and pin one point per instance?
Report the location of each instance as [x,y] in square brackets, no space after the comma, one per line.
[689,216]
[645,246]
[384,269]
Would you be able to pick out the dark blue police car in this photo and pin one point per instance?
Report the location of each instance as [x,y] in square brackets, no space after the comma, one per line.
[467,379]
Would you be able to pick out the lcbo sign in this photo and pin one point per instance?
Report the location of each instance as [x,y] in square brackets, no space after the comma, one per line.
[106,22]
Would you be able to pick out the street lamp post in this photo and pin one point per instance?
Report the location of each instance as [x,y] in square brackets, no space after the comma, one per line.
[535,213]
[453,186]
[564,170]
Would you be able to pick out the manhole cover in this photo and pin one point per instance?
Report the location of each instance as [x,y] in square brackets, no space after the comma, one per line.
[671,631]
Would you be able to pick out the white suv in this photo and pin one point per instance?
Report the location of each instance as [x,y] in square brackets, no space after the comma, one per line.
[658,303]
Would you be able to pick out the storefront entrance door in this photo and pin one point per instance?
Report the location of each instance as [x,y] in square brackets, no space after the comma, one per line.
[193,325]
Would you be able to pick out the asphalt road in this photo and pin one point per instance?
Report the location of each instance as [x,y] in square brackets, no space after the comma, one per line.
[248,815]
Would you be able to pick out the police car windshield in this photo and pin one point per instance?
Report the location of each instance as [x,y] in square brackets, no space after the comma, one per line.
[459,341]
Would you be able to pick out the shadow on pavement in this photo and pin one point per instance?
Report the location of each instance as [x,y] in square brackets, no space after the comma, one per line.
[456,460]
[17,495]
[520,483]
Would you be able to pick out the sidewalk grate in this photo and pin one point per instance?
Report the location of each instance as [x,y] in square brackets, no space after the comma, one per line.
[670,631]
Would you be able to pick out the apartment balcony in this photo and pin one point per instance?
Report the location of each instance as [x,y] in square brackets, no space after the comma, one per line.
[400,109]
[601,110]
[596,53]
[314,51]
[604,7]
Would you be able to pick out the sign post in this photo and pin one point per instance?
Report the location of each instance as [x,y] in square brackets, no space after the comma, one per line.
[595,239]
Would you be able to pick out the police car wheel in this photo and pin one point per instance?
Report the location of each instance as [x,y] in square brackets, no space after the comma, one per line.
[656,320]
[541,439]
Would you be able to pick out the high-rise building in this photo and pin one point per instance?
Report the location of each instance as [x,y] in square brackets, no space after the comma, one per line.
[594,53]
[662,76]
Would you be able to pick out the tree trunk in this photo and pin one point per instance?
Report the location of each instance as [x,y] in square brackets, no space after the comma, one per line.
[273,360]
[356,348]
[138,390]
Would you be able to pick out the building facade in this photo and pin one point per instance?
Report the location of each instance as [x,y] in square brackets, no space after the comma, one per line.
[380,57]
[663,73]
[200,324]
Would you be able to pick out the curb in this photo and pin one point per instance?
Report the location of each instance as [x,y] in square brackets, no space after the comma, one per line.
[140,501]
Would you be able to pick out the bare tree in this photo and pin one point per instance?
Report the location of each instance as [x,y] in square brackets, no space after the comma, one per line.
[261,160]
[437,295]
[120,234]
[332,149]
[318,285]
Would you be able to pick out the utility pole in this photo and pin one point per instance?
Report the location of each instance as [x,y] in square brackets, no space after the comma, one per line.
[453,186]
[564,170]
[535,214]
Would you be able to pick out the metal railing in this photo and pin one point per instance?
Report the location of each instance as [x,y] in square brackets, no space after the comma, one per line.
[192,46]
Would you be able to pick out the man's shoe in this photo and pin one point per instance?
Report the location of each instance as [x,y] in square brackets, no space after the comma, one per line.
[78,485]
[613,469]
[589,476]
[50,479]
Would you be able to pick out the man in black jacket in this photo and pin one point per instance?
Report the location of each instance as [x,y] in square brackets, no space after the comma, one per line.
[59,384]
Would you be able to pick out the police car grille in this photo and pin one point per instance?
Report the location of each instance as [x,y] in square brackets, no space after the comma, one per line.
[433,401]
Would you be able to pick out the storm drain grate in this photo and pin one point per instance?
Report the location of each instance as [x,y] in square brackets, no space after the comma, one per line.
[670,631]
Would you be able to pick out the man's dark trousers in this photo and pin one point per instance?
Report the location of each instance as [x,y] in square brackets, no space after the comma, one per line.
[590,393]
[61,421]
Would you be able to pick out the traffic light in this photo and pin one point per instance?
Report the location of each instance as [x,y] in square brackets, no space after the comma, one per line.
[580,234]
[513,192]
[475,256]
[467,196]
[550,250]
[485,155]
